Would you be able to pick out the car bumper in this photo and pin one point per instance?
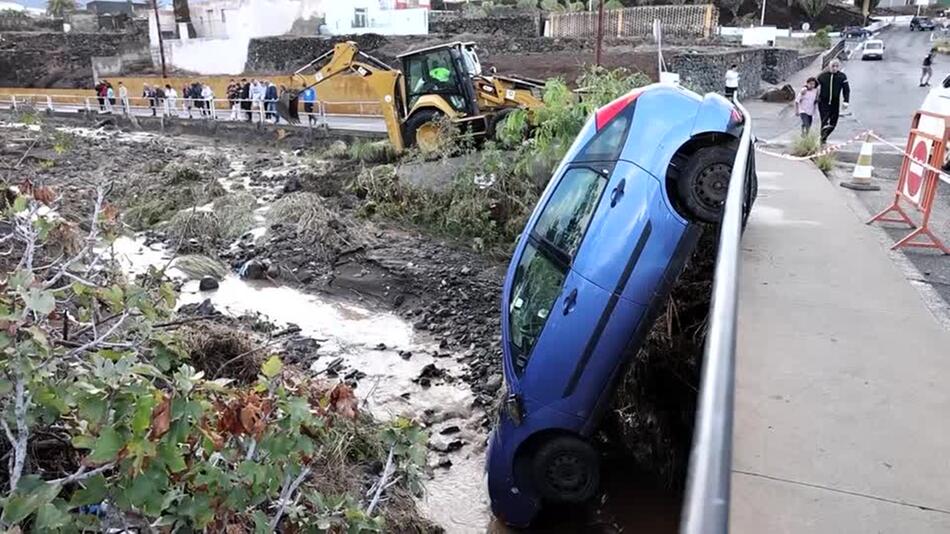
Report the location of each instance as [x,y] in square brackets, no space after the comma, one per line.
[513,505]
[872,56]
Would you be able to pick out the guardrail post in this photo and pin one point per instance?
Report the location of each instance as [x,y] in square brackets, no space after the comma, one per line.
[213,108]
[13,102]
[49,104]
[88,107]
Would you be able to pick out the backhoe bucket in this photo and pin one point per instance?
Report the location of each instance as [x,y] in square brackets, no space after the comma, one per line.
[287,107]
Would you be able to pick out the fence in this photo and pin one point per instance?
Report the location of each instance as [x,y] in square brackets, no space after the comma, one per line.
[706,505]
[677,21]
[185,108]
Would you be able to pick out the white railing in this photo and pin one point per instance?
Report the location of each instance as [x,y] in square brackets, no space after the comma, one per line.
[218,109]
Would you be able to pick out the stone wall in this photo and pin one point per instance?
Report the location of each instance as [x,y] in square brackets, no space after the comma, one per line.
[287,54]
[524,24]
[705,71]
[50,59]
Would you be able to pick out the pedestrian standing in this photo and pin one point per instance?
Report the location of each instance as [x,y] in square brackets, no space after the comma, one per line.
[732,81]
[149,94]
[208,96]
[271,96]
[186,96]
[160,98]
[927,70]
[234,94]
[806,104]
[110,97]
[100,88]
[832,86]
[124,98]
[246,98]
[309,96]
[257,98]
[171,100]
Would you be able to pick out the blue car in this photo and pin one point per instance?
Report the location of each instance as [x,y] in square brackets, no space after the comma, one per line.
[609,236]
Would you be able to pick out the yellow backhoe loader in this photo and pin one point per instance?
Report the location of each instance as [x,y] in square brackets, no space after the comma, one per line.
[436,84]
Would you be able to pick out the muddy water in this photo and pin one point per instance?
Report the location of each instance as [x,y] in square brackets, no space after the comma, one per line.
[373,343]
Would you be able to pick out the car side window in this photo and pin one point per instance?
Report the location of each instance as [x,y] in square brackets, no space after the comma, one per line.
[608,143]
[567,214]
[543,265]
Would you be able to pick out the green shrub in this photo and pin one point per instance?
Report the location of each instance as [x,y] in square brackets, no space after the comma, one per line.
[826,162]
[806,145]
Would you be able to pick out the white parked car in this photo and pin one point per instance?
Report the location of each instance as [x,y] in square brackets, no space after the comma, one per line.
[872,49]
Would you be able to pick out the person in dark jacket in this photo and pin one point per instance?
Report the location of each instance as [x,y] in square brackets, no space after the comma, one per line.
[926,68]
[270,96]
[832,86]
[246,98]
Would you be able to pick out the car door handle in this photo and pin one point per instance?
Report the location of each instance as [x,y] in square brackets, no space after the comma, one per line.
[570,301]
[617,192]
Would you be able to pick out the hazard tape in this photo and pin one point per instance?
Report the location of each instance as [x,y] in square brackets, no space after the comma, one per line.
[827,150]
[943,175]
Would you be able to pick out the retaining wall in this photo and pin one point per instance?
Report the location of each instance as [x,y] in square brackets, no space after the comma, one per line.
[704,72]
[523,24]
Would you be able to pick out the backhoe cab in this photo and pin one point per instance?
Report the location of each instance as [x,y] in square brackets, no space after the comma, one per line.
[436,84]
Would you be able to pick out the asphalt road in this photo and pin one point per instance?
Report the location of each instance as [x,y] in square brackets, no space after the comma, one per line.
[884,96]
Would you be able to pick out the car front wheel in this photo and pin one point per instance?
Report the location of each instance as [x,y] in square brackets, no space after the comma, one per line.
[566,469]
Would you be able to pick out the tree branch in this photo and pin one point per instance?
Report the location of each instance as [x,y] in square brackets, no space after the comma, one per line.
[82,474]
[285,494]
[381,484]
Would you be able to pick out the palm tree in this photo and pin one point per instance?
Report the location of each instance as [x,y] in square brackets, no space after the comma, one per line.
[58,8]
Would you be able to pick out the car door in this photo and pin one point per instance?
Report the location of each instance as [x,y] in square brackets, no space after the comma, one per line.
[623,228]
[551,310]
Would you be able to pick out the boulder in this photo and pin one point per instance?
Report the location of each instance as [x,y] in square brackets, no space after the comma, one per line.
[784,93]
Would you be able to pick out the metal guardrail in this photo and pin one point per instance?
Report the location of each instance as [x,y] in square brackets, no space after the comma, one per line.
[706,504]
[185,108]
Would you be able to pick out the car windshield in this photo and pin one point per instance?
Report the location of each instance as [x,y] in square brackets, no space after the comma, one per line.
[543,266]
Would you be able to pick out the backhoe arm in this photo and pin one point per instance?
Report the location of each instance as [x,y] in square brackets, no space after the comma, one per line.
[382,80]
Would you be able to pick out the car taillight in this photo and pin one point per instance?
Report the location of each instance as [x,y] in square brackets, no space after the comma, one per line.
[737,117]
[604,115]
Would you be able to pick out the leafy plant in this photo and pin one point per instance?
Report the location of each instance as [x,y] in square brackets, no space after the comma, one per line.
[59,8]
[821,39]
[613,4]
[527,4]
[84,358]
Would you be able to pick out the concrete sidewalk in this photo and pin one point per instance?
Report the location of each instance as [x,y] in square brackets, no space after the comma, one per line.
[842,374]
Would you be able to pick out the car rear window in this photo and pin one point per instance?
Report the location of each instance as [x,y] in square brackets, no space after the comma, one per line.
[874,46]
[608,143]
[543,265]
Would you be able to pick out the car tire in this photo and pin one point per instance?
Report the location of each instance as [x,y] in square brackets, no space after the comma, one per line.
[418,121]
[566,470]
[701,188]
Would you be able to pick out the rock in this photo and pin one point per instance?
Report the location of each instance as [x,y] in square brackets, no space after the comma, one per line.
[445,445]
[451,429]
[207,284]
[442,462]
[784,93]
[493,383]
[380,346]
[253,270]
[292,185]
[405,354]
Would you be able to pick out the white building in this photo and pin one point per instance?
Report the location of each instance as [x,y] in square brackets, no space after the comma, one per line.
[385,17]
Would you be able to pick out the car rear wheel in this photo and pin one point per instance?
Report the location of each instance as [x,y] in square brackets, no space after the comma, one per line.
[566,469]
[702,186]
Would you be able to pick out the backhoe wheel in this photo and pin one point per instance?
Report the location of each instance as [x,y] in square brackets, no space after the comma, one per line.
[702,186]
[425,130]
[566,469]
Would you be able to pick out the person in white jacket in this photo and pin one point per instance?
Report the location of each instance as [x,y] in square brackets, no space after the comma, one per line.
[208,96]
[171,100]
[124,98]
[257,96]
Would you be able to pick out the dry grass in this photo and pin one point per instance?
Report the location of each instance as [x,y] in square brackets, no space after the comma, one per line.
[230,216]
[219,350]
[826,162]
[325,231]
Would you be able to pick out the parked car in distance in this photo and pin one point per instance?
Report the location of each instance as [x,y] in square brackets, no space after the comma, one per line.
[922,24]
[592,270]
[856,32]
[872,49]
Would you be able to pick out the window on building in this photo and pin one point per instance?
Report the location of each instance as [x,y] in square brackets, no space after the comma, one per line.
[359,17]
[223,17]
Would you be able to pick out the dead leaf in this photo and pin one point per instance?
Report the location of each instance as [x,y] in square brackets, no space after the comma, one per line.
[253,415]
[161,419]
[44,195]
[110,212]
[343,401]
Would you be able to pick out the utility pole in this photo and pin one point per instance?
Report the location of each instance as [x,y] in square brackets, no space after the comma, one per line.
[600,33]
[762,18]
[866,10]
[161,43]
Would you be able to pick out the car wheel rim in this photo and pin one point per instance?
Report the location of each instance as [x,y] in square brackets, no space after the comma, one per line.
[711,185]
[566,474]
